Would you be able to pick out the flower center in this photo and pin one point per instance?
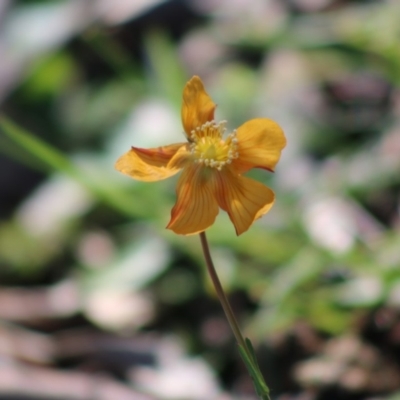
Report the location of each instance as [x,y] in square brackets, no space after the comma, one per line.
[208,147]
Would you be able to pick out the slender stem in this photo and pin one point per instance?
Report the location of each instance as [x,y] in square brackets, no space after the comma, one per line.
[246,350]
[221,294]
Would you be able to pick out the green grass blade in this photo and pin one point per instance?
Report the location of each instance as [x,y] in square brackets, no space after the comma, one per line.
[55,160]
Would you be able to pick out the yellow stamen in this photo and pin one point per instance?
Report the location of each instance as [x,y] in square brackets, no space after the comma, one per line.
[208,147]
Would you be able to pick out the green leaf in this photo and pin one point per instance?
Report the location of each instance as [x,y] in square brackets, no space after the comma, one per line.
[249,358]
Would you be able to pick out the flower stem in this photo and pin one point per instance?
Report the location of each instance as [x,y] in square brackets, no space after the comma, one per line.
[245,346]
[220,292]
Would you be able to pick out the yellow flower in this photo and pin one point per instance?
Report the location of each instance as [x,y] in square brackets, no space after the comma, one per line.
[212,167]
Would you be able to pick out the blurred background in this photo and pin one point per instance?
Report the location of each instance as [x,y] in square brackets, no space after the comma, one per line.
[98,300]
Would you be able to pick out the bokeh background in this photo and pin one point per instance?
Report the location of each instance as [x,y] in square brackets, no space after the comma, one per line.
[98,300]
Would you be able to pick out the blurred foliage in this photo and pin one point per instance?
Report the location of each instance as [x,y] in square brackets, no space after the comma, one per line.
[77,92]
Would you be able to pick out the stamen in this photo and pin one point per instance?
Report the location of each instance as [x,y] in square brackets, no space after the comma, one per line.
[208,147]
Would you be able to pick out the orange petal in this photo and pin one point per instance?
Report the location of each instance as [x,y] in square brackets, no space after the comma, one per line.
[244,199]
[197,107]
[260,142]
[149,164]
[196,207]
[181,157]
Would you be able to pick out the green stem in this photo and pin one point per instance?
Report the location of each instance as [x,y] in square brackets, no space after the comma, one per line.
[220,292]
[245,347]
